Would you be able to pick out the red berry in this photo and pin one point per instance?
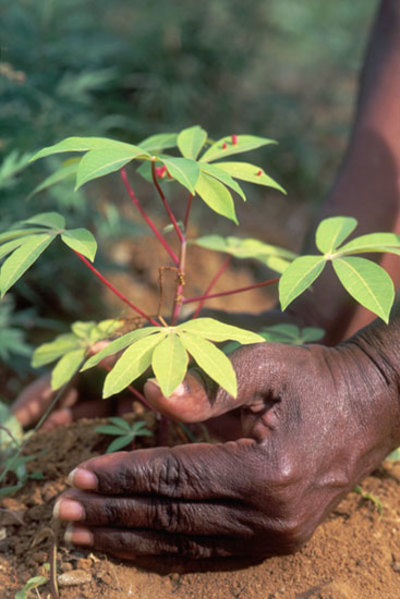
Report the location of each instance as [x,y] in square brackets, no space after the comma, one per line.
[259,173]
[234,140]
[224,146]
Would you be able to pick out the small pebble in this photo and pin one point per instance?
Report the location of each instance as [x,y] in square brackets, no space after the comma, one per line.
[74,578]
[396,566]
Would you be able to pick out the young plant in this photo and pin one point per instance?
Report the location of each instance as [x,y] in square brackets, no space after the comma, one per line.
[165,344]
[124,432]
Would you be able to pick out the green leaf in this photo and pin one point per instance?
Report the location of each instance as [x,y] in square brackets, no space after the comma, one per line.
[82,241]
[120,443]
[298,276]
[212,360]
[374,242]
[367,283]
[214,171]
[133,362]
[108,429]
[66,368]
[169,363]
[160,141]
[98,163]
[331,232]
[183,170]
[32,583]
[292,334]
[48,352]
[243,248]
[120,422]
[52,220]
[7,248]
[216,196]
[218,331]
[81,144]
[67,170]
[249,172]
[14,233]
[119,344]
[21,259]
[245,143]
[191,140]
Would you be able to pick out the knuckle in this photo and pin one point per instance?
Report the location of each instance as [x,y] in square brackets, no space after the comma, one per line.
[167,475]
[170,517]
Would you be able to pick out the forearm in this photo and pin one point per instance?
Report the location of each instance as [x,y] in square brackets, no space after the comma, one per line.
[367,186]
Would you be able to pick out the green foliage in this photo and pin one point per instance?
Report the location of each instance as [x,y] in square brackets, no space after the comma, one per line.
[364,280]
[165,349]
[103,156]
[30,585]
[124,432]
[292,334]
[12,337]
[70,349]
[26,245]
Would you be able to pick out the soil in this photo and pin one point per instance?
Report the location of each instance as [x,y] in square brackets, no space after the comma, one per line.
[355,554]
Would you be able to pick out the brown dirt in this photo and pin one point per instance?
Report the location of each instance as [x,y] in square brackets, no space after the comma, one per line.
[355,554]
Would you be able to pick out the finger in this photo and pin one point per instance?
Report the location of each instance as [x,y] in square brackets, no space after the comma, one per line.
[58,418]
[200,471]
[197,400]
[168,515]
[130,544]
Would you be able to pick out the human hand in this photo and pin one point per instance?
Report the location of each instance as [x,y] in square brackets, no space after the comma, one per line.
[310,433]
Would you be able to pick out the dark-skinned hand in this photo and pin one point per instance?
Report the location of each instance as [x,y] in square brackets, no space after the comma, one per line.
[315,421]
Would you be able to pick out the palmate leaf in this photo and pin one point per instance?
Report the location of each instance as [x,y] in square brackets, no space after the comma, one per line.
[118,345]
[67,170]
[66,367]
[245,143]
[51,220]
[7,248]
[160,141]
[214,171]
[191,140]
[374,242]
[292,334]
[82,241]
[212,360]
[48,352]
[249,172]
[243,248]
[367,283]
[120,442]
[331,232]
[133,362]
[298,276]
[21,259]
[81,144]
[98,163]
[183,170]
[216,196]
[14,233]
[169,363]
[212,329]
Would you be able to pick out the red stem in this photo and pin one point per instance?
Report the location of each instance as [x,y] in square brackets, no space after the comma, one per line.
[166,205]
[188,207]
[114,290]
[211,285]
[180,285]
[145,216]
[240,290]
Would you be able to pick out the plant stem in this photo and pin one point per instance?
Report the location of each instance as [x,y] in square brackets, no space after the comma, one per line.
[211,285]
[187,213]
[165,202]
[199,298]
[180,285]
[146,217]
[114,290]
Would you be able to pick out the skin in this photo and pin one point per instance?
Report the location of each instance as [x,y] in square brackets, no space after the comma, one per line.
[315,419]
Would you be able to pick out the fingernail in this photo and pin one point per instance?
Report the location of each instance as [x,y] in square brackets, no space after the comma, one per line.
[78,535]
[83,479]
[68,509]
[179,391]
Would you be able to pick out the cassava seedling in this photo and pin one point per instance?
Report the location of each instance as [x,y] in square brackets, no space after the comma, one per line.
[165,344]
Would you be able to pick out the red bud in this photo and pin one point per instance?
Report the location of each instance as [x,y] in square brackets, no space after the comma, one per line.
[234,140]
[224,146]
[259,173]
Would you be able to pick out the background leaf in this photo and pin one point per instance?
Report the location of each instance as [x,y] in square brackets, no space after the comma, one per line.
[52,220]
[373,242]
[21,259]
[212,360]
[68,169]
[367,283]
[216,196]
[48,352]
[80,144]
[160,141]
[292,334]
[331,232]
[169,363]
[249,172]
[245,143]
[98,163]
[191,140]
[298,276]
[218,331]
[82,241]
